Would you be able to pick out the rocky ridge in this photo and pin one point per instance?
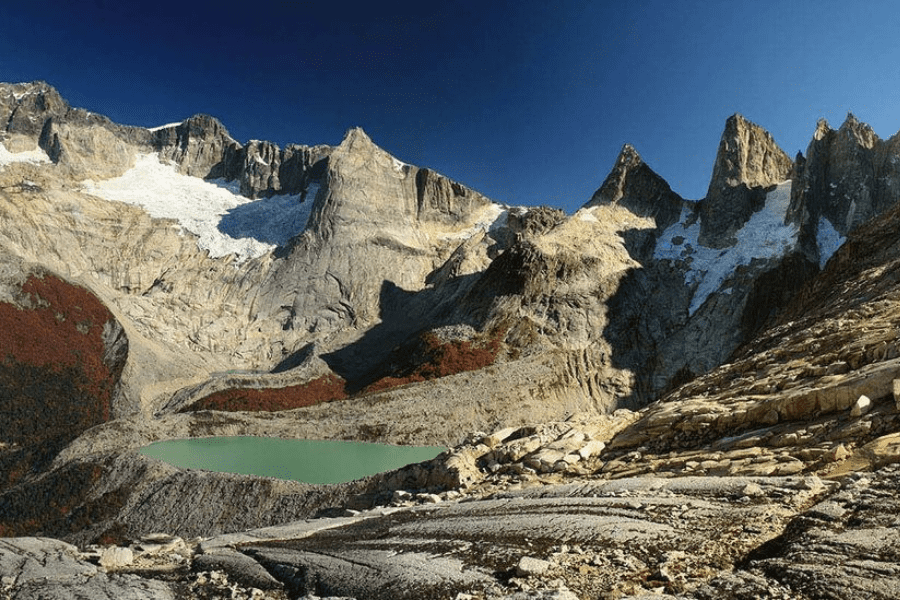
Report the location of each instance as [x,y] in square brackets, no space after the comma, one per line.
[770,356]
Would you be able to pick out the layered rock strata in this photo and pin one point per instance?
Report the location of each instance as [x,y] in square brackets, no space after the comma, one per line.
[693,538]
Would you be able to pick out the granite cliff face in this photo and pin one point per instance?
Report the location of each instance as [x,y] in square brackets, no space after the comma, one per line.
[747,163]
[706,361]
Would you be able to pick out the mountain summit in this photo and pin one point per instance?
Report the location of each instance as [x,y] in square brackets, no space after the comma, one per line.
[706,376]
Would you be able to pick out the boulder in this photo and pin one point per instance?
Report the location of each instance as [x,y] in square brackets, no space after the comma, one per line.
[116,557]
[529,566]
[861,407]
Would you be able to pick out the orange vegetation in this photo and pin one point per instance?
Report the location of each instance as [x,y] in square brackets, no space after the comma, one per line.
[54,382]
[435,358]
[441,359]
[323,389]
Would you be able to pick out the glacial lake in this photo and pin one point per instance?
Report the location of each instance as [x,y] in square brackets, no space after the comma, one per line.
[309,461]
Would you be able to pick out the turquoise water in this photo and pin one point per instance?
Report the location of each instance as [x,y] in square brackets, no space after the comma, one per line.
[309,461]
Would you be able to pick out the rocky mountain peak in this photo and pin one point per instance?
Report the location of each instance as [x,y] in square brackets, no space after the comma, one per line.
[860,133]
[635,186]
[748,154]
[357,140]
[200,146]
[358,148]
[822,129]
[24,107]
[849,176]
[201,126]
[748,161]
[404,192]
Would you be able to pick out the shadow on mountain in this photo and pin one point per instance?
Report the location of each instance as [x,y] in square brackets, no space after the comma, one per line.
[296,359]
[653,335]
[273,220]
[640,316]
[404,315]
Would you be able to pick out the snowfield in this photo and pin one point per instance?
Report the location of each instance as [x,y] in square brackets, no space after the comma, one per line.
[224,221]
[31,156]
[828,241]
[765,235]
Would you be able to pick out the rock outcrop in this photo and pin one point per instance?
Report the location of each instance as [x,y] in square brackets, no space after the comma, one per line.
[747,164]
[848,176]
[202,147]
[25,107]
[703,285]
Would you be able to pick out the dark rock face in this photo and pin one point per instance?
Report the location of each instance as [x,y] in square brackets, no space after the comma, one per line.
[748,162]
[24,107]
[648,319]
[634,185]
[847,177]
[203,148]
[536,221]
[200,145]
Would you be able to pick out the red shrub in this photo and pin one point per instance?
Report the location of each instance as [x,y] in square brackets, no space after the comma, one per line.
[323,389]
[440,359]
[53,379]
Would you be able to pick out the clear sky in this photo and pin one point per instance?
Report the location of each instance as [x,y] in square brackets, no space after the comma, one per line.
[527,101]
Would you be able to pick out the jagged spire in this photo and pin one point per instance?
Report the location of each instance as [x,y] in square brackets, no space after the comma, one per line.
[634,185]
[861,132]
[747,154]
[748,160]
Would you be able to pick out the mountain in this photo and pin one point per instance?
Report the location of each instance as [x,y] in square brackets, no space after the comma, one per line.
[692,399]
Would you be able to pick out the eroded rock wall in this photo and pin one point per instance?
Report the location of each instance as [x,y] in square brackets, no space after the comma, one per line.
[747,163]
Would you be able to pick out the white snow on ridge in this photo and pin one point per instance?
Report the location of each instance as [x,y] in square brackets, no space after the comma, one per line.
[492,217]
[224,221]
[828,241]
[166,126]
[29,156]
[765,235]
[398,165]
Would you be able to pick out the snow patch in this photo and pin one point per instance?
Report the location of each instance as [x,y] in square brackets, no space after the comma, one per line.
[399,165]
[765,235]
[36,156]
[587,214]
[166,126]
[224,221]
[492,217]
[828,240]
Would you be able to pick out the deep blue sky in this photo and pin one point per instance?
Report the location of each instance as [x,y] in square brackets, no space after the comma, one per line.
[527,101]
